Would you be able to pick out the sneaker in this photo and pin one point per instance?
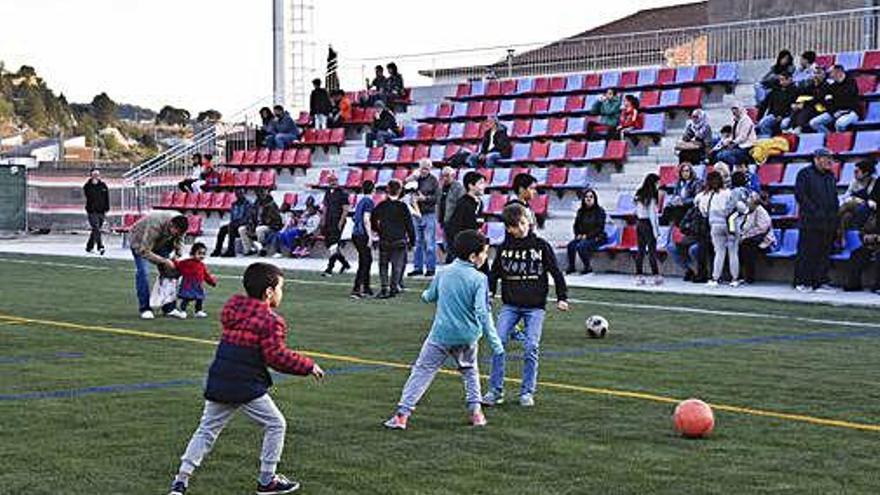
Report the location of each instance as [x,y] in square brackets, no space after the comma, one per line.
[712,283]
[658,280]
[201,314]
[344,269]
[277,486]
[396,422]
[526,400]
[478,419]
[640,280]
[101,251]
[586,271]
[356,295]
[825,289]
[258,246]
[493,398]
[325,273]
[803,288]
[415,273]
[735,283]
[178,488]
[384,295]
[176,313]
[147,315]
[429,273]
[368,293]
[569,271]
[277,255]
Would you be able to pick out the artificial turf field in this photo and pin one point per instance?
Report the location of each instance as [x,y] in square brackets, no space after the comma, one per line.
[88,408]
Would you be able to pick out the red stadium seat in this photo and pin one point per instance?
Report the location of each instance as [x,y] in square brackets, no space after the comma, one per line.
[539,150]
[275,157]
[195,225]
[591,81]
[406,154]
[866,83]
[354,179]
[770,173]
[227,179]
[574,103]
[486,173]
[508,86]
[472,131]
[521,127]
[628,239]
[826,60]
[289,157]
[540,105]
[668,175]
[557,84]
[463,90]
[444,111]
[615,151]
[205,200]
[556,176]
[252,179]
[267,179]
[370,174]
[191,202]
[375,155]
[539,204]
[238,156]
[628,78]
[309,136]
[262,156]
[665,76]
[522,106]
[178,201]
[400,174]
[228,201]
[440,131]
[337,136]
[556,127]
[250,156]
[839,142]
[421,151]
[425,132]
[705,73]
[304,158]
[871,60]
[541,86]
[474,109]
[691,97]
[496,204]
[241,179]
[290,199]
[574,150]
[650,99]
[218,201]
[450,150]
[492,88]
[490,108]
[166,201]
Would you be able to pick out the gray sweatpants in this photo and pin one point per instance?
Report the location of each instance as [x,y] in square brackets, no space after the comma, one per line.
[725,243]
[429,362]
[261,410]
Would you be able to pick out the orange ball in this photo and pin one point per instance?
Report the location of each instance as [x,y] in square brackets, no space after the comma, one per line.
[693,418]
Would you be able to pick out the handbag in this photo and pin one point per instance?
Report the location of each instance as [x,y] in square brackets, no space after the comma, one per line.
[164,292]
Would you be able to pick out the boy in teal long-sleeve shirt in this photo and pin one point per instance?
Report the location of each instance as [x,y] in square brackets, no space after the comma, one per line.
[463,315]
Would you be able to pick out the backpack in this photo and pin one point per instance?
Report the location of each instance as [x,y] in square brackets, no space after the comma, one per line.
[459,159]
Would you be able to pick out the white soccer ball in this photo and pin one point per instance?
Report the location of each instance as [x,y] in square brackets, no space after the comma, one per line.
[596,326]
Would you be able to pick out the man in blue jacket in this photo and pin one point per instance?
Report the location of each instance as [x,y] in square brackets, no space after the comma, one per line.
[284,130]
[816,194]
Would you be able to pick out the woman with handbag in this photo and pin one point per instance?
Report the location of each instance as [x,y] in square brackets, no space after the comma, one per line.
[719,204]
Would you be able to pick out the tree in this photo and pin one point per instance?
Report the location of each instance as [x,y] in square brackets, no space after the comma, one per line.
[27,71]
[209,115]
[173,116]
[32,109]
[104,108]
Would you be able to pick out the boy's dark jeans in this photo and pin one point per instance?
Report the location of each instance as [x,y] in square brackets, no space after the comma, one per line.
[365,261]
[396,256]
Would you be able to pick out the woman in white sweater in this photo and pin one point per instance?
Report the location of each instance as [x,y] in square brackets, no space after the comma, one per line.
[718,203]
[647,200]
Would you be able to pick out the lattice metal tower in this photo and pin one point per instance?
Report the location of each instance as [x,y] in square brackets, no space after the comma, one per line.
[294,51]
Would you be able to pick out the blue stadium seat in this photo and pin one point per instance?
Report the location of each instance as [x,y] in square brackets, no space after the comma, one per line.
[647,77]
[790,175]
[685,75]
[787,247]
[866,143]
[595,150]
[410,131]
[807,143]
[787,204]
[385,175]
[851,242]
[437,152]
[575,126]
[590,100]
[626,206]
[456,131]
[872,116]
[363,154]
[520,152]
[524,86]
[849,60]
[574,82]
[655,125]
[507,107]
[391,154]
[556,152]
[612,235]
[669,98]
[847,174]
[726,73]
[557,105]
[539,128]
[430,111]
[495,232]
[459,110]
[500,178]
[610,79]
[577,178]
[540,174]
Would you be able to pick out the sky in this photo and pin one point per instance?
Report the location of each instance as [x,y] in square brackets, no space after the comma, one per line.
[200,54]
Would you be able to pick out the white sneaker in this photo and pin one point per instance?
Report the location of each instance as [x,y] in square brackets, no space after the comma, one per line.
[176,313]
[526,400]
[258,246]
[735,284]
[201,314]
[712,283]
[826,289]
[803,288]
[277,255]
[640,280]
[147,315]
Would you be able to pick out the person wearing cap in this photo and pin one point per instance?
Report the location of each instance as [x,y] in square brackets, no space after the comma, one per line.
[334,214]
[737,146]
[384,127]
[816,195]
[494,146]
[97,205]
[425,224]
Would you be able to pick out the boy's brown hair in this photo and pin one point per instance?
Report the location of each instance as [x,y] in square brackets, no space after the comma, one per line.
[512,214]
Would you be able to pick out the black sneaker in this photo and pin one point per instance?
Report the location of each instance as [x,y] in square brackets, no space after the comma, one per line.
[101,251]
[569,271]
[367,293]
[344,269]
[384,295]
[325,273]
[216,254]
[415,273]
[277,486]
[586,271]
[229,254]
[429,273]
[356,295]
[177,488]
[689,275]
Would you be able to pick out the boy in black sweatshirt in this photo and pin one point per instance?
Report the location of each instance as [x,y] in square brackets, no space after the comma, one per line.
[393,222]
[522,263]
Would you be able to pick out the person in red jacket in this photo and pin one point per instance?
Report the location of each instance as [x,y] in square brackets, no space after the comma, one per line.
[253,341]
[631,117]
[194,274]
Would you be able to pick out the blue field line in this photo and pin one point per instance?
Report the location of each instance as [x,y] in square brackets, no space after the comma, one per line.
[706,343]
[137,387]
[40,357]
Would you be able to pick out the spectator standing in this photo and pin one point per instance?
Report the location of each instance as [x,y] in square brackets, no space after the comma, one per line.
[718,203]
[735,149]
[335,214]
[631,117]
[320,106]
[97,205]
[450,192]
[756,237]
[841,99]
[647,200]
[360,237]
[384,127]
[285,130]
[607,107]
[393,223]
[428,188]
[238,217]
[153,240]
[784,65]
[525,189]
[696,140]
[776,106]
[589,232]
[466,215]
[816,194]
[494,146]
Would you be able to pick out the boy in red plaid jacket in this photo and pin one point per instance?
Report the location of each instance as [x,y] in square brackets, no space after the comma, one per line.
[253,340]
